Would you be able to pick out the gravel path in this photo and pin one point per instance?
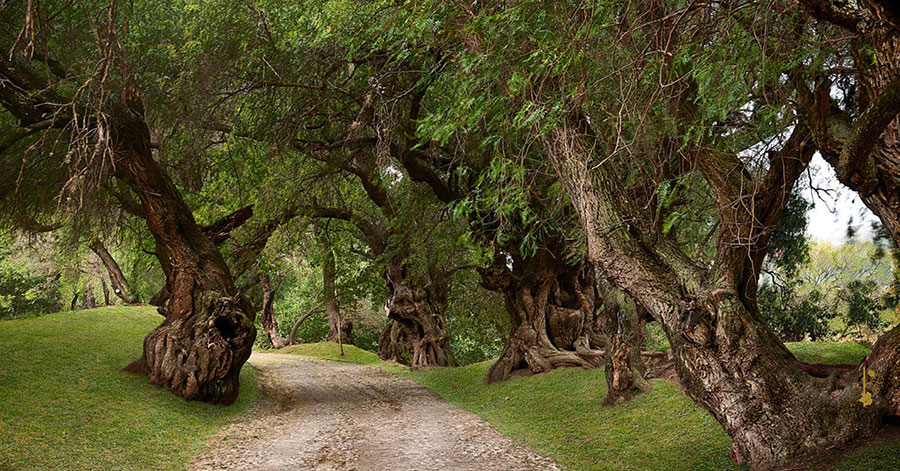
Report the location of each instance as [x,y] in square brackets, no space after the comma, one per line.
[327,416]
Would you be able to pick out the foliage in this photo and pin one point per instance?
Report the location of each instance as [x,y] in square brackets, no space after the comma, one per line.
[68,406]
[826,289]
[789,247]
[794,316]
[863,305]
[27,287]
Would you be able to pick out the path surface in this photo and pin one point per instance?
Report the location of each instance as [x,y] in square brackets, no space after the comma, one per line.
[325,416]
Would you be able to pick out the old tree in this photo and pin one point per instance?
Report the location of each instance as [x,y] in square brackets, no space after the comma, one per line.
[594,166]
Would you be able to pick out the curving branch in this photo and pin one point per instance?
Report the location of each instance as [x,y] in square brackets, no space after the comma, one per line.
[855,160]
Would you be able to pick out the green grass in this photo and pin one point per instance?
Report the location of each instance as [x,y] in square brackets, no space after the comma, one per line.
[65,404]
[331,351]
[830,353]
[559,414]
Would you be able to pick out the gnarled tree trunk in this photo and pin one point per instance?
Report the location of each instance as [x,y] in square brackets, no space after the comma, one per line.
[552,310]
[862,145]
[269,323]
[198,351]
[90,302]
[420,314]
[392,342]
[729,361]
[625,370]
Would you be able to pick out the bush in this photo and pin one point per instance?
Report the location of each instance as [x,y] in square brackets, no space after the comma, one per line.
[795,316]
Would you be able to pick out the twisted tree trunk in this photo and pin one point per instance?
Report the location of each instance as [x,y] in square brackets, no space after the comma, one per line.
[729,361]
[552,309]
[420,314]
[625,370]
[90,302]
[862,145]
[199,349]
[392,342]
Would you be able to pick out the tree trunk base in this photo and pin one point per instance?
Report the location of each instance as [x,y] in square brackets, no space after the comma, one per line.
[199,357]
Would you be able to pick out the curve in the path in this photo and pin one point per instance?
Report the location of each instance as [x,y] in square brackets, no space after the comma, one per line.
[329,416]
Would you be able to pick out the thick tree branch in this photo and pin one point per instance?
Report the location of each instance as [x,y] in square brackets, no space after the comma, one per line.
[855,161]
[221,230]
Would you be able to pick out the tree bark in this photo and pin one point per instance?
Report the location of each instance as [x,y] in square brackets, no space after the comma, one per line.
[269,323]
[552,309]
[199,349]
[729,361]
[625,370]
[218,232]
[116,278]
[392,342]
[420,314]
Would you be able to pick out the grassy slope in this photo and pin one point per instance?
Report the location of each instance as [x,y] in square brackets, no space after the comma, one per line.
[559,415]
[65,404]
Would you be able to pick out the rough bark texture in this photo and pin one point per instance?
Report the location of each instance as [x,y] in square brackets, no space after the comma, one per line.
[552,315]
[625,370]
[199,349]
[420,314]
[218,232]
[269,323]
[728,359]
[884,361]
[392,342]
[119,284]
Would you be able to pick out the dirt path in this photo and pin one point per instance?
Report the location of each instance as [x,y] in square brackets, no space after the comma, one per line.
[319,415]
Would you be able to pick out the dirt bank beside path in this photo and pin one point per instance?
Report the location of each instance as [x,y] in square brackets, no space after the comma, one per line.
[325,416]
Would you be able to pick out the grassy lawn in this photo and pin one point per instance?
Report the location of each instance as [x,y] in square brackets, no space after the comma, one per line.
[559,414]
[828,352]
[65,404]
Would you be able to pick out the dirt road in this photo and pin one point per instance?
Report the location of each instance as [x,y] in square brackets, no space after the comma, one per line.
[327,416]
